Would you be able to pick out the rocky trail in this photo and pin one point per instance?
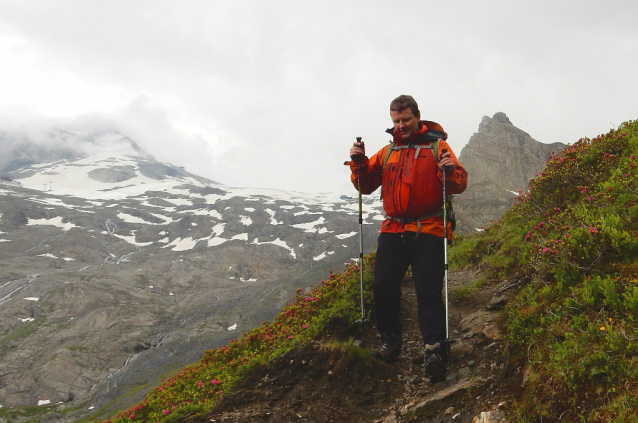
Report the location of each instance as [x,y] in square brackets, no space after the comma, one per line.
[322,383]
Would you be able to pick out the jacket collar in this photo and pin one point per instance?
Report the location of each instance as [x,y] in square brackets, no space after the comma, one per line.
[419,137]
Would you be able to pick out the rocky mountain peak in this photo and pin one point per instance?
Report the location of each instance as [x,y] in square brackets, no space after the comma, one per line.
[500,160]
[501,117]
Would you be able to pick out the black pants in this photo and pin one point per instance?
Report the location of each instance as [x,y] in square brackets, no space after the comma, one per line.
[425,254]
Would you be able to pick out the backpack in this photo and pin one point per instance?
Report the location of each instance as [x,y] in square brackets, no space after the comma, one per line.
[434,146]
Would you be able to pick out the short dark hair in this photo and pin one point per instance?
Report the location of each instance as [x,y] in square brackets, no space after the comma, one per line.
[403,102]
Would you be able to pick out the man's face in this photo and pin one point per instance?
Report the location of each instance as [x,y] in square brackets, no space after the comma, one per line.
[405,123]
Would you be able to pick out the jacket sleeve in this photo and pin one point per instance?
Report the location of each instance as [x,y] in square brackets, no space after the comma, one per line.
[457,182]
[371,172]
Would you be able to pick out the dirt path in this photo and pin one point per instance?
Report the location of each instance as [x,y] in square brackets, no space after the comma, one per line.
[324,384]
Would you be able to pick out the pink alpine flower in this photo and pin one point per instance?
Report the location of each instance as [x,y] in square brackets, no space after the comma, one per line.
[592,230]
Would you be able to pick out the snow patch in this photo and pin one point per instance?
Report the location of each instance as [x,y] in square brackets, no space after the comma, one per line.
[185,244]
[47,255]
[213,242]
[278,242]
[323,255]
[218,229]
[131,240]
[348,235]
[310,226]
[205,212]
[130,219]
[306,212]
[179,201]
[273,221]
[54,221]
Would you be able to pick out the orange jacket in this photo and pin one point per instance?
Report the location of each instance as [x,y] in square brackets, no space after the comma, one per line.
[412,184]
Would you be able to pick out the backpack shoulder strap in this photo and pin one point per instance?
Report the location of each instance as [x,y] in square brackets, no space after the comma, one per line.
[385,161]
[387,155]
[435,149]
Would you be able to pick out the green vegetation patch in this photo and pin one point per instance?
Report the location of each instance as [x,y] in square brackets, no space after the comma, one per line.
[573,238]
[24,413]
[23,331]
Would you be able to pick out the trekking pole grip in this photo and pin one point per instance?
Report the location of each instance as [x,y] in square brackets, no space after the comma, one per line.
[359,158]
[446,169]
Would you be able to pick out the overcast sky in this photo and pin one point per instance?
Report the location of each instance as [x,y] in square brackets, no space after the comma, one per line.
[272,94]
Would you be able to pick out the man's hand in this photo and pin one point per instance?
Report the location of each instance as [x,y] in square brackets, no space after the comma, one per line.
[446,164]
[357,151]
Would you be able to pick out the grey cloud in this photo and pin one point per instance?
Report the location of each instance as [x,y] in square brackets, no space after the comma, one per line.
[280,89]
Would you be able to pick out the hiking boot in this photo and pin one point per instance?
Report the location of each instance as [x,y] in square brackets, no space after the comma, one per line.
[435,358]
[390,350]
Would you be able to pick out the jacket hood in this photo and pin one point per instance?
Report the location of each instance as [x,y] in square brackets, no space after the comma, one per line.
[428,132]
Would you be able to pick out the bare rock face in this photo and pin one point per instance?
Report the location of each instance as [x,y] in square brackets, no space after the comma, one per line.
[500,160]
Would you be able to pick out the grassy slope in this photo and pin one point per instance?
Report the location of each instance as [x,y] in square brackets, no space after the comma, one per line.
[573,238]
[572,330]
[195,389]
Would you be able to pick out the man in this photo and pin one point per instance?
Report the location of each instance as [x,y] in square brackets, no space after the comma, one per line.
[410,174]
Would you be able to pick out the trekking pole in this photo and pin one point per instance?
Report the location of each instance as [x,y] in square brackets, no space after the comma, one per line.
[360,230]
[445,261]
